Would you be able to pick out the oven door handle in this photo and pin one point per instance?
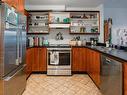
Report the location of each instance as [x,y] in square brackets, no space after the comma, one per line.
[60,51]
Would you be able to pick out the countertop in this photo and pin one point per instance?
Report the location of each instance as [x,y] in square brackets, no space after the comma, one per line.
[120,54]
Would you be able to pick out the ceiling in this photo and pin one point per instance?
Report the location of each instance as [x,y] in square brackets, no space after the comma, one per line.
[70,3]
[77,3]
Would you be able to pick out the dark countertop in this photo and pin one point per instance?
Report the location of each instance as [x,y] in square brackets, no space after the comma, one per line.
[119,54]
[48,46]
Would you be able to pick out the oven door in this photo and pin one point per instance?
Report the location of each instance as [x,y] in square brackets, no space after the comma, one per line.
[63,57]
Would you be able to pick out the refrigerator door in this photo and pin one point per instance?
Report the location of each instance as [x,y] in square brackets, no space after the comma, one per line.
[14,84]
[10,41]
[22,38]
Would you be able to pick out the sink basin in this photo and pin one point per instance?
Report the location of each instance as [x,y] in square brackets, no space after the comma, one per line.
[105,49]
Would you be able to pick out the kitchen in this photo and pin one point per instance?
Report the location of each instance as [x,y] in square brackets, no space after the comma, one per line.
[63,47]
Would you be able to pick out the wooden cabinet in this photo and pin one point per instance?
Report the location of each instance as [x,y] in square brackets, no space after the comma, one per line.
[17,4]
[36,60]
[21,6]
[9,2]
[125,79]
[42,59]
[79,59]
[40,55]
[93,65]
[29,60]
[35,65]
[14,3]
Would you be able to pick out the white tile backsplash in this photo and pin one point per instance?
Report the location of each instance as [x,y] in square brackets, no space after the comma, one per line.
[66,35]
[53,41]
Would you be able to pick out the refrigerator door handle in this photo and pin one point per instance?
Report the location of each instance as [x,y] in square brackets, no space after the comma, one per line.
[17,62]
[10,77]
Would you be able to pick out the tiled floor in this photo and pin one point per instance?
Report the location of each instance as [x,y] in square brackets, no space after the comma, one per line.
[40,84]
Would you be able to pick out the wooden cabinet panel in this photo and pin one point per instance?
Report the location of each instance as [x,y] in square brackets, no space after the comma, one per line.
[96,67]
[36,60]
[39,63]
[35,65]
[21,6]
[125,79]
[42,59]
[17,4]
[13,3]
[79,59]
[29,61]
[9,2]
[93,65]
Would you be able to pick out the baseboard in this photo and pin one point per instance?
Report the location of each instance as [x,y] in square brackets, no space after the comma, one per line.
[79,72]
[38,72]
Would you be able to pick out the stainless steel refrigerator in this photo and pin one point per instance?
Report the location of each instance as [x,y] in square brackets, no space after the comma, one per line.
[12,51]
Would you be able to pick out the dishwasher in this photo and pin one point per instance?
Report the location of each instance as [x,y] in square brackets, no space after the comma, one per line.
[111,76]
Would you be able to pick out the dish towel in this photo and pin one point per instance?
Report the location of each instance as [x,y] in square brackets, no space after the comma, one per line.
[54,58]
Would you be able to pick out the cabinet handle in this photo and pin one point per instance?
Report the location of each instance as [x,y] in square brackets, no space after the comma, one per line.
[108,61]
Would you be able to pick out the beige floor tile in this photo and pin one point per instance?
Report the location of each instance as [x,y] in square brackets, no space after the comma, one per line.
[78,84]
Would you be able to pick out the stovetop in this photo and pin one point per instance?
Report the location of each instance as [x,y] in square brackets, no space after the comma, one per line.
[59,47]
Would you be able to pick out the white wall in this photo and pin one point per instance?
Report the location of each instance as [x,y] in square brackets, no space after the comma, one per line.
[119,17]
[101,36]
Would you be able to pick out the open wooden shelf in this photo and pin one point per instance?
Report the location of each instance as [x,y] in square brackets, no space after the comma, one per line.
[37,33]
[85,33]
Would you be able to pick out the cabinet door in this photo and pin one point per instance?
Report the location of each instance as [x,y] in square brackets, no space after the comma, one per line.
[17,4]
[78,59]
[42,59]
[21,6]
[96,67]
[14,3]
[9,2]
[93,65]
[35,64]
[83,53]
[125,79]
[29,60]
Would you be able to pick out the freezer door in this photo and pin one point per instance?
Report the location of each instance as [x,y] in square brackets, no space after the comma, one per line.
[15,84]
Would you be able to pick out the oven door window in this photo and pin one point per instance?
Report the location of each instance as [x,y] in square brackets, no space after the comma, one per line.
[64,59]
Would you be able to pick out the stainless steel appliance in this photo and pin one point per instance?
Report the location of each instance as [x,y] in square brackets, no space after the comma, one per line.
[12,51]
[111,76]
[59,61]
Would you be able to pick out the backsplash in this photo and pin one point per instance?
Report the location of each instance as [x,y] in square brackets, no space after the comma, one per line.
[51,37]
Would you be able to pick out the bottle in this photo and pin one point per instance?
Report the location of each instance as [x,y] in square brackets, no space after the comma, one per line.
[92,42]
[58,20]
[84,42]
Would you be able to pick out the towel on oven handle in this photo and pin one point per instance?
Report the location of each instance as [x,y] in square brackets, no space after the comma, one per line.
[54,58]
